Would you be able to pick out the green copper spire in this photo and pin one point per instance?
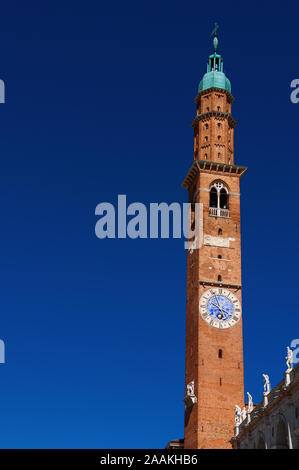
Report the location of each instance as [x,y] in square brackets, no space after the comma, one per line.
[215,77]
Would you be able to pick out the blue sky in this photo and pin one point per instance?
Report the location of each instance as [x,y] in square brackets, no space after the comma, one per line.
[99,102]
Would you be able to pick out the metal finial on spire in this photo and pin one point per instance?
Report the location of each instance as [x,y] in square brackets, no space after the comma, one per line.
[214,32]
[215,40]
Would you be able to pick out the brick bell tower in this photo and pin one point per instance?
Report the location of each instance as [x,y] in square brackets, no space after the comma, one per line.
[214,344]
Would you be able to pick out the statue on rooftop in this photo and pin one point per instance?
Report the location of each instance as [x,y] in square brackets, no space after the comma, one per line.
[238,413]
[250,403]
[267,386]
[243,414]
[289,359]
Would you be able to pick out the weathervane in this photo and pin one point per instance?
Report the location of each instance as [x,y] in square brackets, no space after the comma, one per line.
[215,40]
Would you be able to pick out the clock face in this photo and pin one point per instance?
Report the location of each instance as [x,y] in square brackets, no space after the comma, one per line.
[220,308]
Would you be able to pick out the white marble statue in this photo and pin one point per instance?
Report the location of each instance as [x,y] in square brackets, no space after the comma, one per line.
[238,413]
[250,403]
[267,387]
[289,359]
[243,414]
[190,389]
[190,397]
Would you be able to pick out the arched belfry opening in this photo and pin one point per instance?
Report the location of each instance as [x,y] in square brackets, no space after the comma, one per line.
[223,198]
[219,199]
[213,197]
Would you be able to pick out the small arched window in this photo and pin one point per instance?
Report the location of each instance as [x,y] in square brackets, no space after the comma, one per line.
[220,231]
[219,278]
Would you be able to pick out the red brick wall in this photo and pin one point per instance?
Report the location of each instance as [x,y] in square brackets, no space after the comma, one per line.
[207,146]
[211,421]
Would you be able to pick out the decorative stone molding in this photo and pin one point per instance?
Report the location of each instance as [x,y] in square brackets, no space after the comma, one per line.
[220,115]
[209,240]
[230,97]
[218,167]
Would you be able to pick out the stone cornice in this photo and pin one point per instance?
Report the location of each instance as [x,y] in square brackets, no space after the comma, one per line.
[204,165]
[201,117]
[230,97]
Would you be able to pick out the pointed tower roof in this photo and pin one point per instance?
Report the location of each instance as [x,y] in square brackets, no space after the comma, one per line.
[215,77]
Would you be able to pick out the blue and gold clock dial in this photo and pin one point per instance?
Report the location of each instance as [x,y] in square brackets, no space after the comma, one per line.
[220,308]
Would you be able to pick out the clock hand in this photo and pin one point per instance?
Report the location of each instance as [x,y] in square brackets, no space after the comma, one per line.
[215,305]
[217,301]
[228,313]
[218,306]
[221,308]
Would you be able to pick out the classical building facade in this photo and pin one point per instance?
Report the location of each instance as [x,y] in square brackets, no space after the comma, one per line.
[273,423]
